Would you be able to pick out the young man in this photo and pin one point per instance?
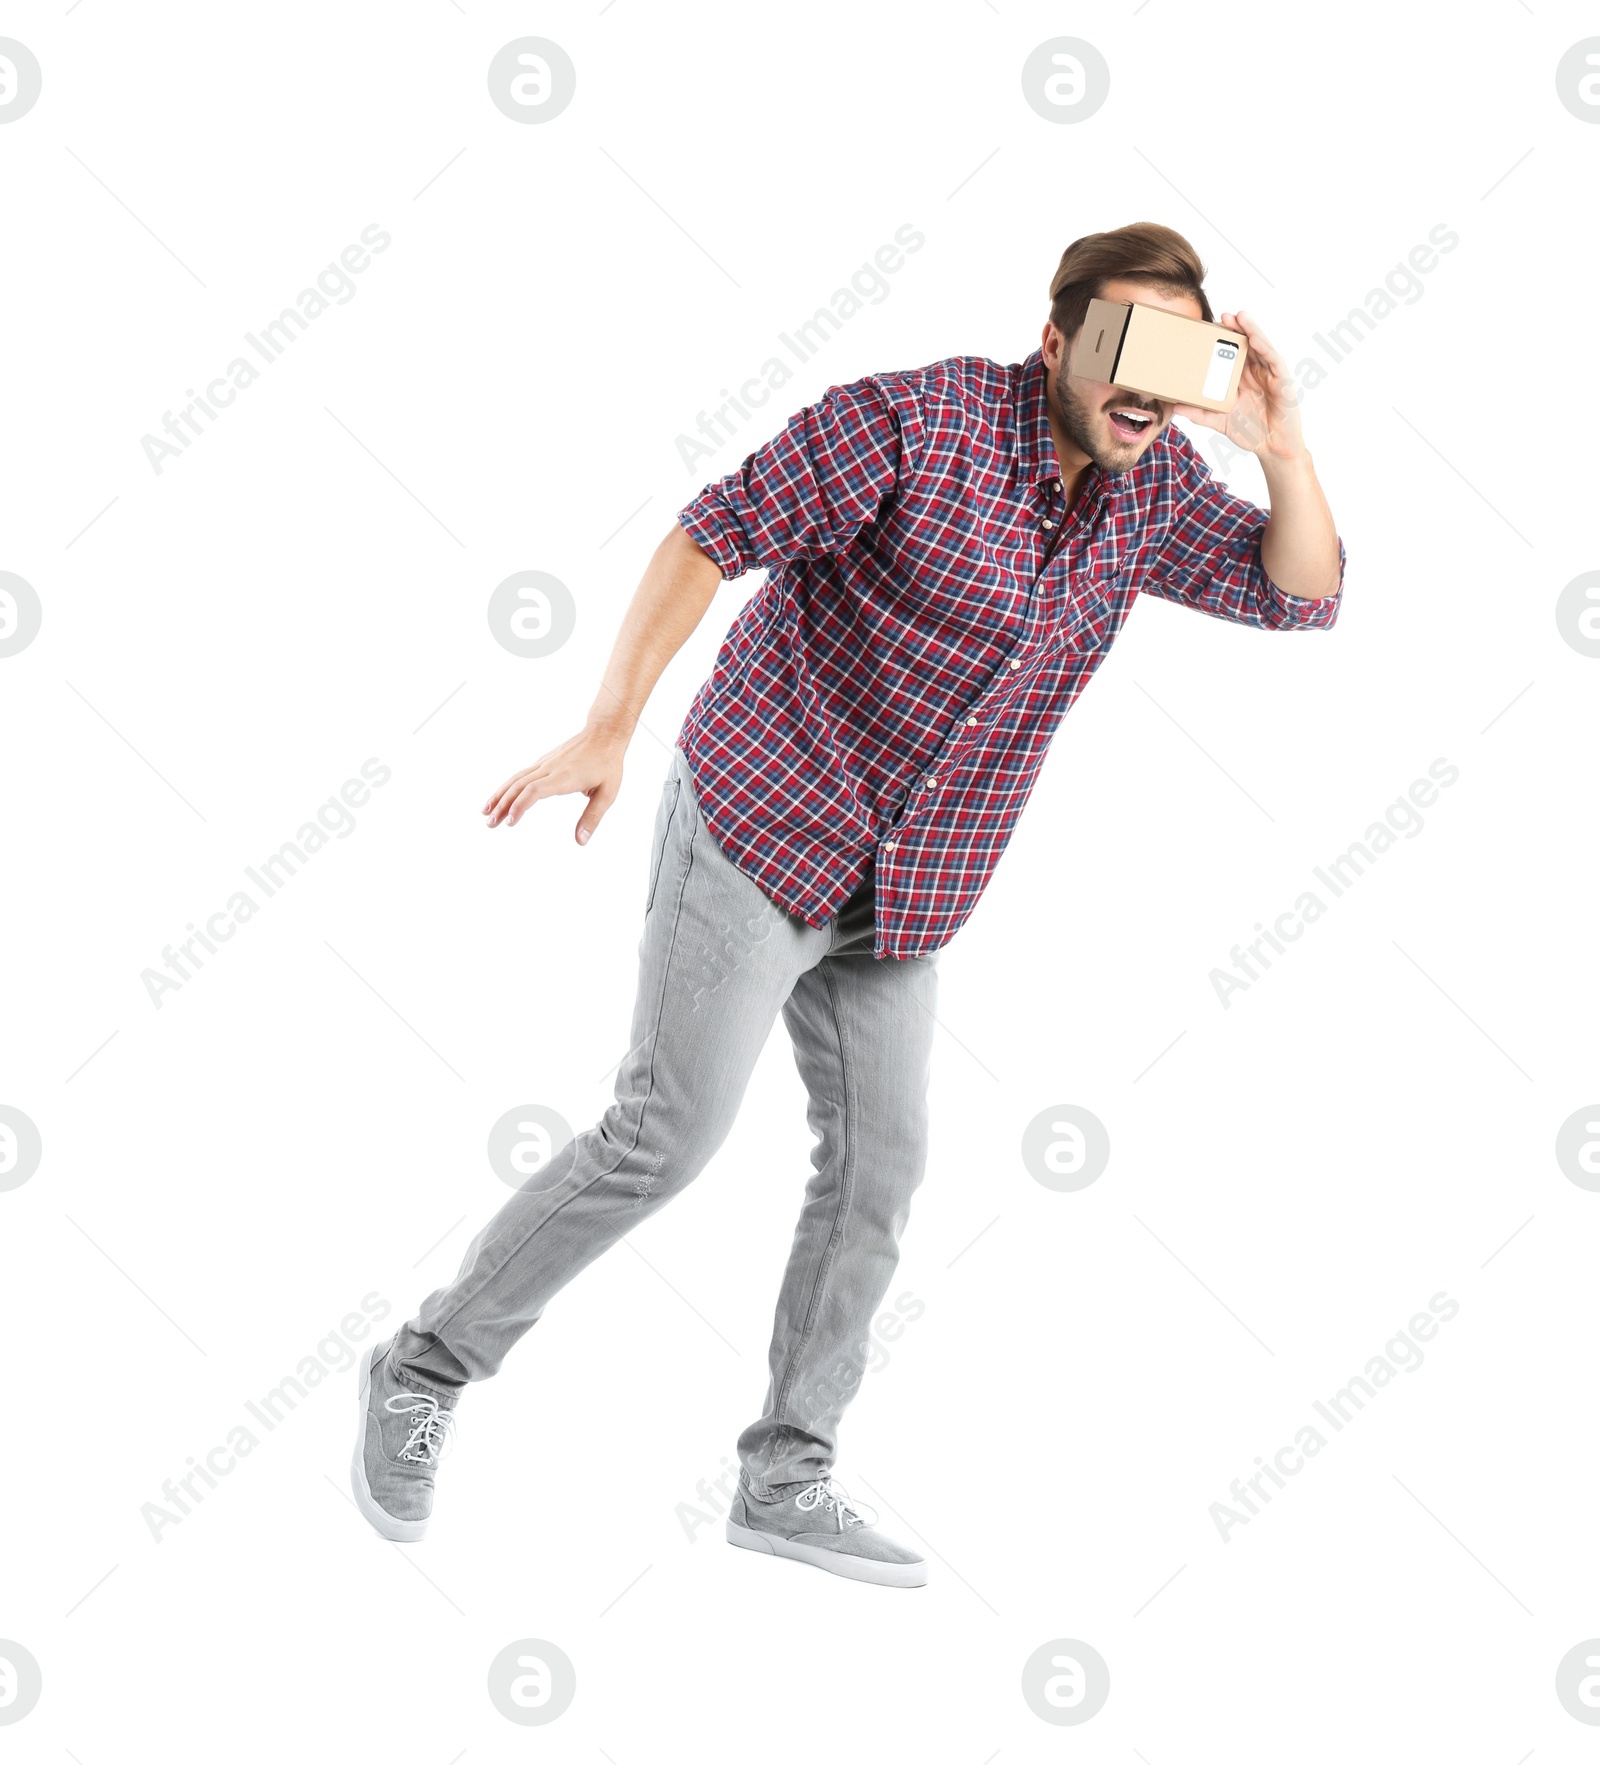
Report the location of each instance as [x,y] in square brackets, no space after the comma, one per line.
[950,552]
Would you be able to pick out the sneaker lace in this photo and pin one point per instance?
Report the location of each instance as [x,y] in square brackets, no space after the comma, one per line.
[431,1428]
[834,1499]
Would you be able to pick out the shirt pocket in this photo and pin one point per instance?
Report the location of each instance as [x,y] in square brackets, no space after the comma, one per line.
[1094,610]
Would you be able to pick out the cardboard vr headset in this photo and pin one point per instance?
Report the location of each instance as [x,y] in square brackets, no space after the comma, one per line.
[1163,355]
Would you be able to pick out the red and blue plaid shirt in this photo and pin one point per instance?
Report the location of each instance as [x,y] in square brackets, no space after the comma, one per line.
[886,697]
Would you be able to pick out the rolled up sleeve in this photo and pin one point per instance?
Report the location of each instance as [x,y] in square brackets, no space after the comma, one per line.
[813,487]
[1210,557]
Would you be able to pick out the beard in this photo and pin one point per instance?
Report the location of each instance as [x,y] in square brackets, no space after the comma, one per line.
[1086,429]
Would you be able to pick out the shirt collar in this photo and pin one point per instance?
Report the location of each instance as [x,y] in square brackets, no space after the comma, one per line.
[1040,468]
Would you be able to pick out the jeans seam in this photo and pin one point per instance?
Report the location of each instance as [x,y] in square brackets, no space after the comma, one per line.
[659,857]
[836,1233]
[649,1095]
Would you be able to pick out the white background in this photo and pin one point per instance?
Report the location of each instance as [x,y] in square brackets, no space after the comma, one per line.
[304,1122]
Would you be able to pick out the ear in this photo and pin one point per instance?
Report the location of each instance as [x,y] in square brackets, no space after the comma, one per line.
[1055,346]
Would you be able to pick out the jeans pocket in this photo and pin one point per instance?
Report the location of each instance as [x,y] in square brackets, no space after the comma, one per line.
[663,831]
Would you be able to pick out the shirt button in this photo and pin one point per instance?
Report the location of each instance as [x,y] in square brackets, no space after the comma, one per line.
[972,723]
[1016,661]
[1049,523]
[888,845]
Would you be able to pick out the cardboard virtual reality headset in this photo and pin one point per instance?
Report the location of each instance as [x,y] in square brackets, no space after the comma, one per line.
[1163,355]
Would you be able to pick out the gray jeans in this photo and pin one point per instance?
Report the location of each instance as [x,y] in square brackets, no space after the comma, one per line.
[717,962]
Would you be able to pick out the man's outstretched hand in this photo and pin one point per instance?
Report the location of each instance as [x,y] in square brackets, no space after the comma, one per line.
[678,585]
[590,762]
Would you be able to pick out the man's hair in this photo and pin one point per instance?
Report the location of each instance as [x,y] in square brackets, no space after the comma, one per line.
[1143,252]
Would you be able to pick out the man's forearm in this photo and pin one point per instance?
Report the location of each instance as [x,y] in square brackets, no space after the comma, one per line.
[1300,547]
[677,586]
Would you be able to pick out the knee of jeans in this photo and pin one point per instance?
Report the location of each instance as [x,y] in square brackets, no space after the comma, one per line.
[646,1161]
[898,1131]
[885,1184]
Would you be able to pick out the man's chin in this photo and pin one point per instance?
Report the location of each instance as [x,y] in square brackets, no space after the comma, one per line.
[1122,456]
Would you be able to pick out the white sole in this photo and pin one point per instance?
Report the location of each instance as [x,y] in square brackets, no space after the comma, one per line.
[835,1562]
[381,1521]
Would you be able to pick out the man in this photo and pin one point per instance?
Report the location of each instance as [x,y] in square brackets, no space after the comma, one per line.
[950,552]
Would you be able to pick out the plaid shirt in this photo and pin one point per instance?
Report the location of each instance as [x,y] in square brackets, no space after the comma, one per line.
[886,697]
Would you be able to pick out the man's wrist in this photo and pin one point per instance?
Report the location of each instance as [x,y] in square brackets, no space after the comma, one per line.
[610,720]
[1287,468]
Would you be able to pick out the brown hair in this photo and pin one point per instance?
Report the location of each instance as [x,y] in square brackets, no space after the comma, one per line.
[1142,252]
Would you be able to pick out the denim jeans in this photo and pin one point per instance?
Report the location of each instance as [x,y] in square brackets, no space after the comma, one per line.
[717,962]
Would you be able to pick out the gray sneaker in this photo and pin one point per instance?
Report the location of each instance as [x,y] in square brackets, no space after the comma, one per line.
[820,1525]
[402,1438]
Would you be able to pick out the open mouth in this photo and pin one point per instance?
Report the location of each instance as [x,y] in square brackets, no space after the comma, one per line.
[1128,422]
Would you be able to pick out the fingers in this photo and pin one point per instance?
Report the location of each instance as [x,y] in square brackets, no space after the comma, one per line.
[514,783]
[524,800]
[533,787]
[592,765]
[499,805]
[601,800]
[1259,344]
